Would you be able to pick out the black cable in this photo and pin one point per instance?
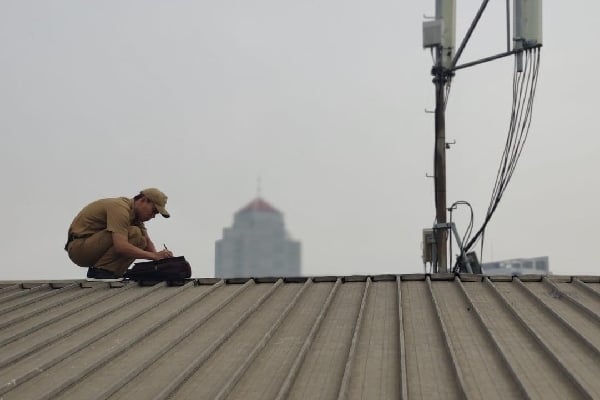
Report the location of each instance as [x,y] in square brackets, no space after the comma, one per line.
[514,145]
[469,228]
[524,87]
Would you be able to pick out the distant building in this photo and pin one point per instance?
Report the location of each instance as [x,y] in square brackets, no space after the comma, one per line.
[518,266]
[257,245]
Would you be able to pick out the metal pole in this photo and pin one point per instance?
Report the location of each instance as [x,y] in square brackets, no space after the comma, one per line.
[469,33]
[439,162]
[490,58]
[507,25]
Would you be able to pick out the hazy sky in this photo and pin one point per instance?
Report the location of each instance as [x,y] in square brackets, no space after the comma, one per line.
[324,100]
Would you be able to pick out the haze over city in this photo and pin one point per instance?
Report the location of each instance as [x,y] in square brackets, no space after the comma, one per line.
[324,102]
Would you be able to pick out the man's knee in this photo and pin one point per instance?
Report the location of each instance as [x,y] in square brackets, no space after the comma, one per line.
[135,237]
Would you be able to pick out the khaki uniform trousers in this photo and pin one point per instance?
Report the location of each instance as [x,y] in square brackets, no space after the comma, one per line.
[98,251]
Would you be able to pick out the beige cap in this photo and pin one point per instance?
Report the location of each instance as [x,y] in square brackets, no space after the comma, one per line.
[159,199]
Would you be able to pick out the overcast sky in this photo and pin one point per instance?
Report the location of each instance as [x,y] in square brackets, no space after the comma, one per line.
[323,100]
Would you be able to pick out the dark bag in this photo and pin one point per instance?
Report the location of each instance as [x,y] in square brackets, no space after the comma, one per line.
[167,269]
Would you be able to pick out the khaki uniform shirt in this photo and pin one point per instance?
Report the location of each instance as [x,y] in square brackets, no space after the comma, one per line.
[114,215]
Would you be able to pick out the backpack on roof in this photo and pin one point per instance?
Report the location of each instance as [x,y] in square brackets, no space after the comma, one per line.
[167,269]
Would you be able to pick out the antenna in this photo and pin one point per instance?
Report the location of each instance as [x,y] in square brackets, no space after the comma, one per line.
[445,11]
[527,27]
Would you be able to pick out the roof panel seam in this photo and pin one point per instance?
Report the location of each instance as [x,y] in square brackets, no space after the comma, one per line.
[293,372]
[558,318]
[57,336]
[449,347]
[29,301]
[236,376]
[586,287]
[559,362]
[41,310]
[401,345]
[50,363]
[343,391]
[116,386]
[499,348]
[573,302]
[175,384]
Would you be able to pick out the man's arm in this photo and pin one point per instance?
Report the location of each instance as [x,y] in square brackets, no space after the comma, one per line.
[122,246]
[150,244]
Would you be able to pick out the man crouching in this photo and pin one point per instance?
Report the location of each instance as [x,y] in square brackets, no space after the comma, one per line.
[109,234]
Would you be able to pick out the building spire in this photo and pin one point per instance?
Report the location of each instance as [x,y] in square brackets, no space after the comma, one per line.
[258,186]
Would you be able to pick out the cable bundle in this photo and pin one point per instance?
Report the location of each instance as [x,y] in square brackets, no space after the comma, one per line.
[524,86]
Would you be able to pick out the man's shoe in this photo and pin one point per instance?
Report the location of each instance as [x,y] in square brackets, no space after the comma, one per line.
[102,275]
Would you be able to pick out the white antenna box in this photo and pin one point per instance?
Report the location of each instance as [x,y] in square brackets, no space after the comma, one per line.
[432,33]
[527,23]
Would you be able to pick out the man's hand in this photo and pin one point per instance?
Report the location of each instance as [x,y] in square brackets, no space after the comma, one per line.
[159,255]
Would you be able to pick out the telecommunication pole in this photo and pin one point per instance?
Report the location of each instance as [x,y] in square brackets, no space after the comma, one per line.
[445,12]
[439,161]
[439,35]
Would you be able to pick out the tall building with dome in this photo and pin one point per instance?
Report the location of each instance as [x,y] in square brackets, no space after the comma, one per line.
[257,245]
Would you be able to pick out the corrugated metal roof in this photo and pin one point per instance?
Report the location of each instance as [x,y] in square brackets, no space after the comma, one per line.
[408,337]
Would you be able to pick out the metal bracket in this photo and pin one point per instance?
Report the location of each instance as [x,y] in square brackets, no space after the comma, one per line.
[452,227]
[448,144]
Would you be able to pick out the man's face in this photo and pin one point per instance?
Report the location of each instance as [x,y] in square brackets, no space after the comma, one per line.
[146,210]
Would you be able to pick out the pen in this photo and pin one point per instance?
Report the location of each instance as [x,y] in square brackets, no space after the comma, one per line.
[165,246]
